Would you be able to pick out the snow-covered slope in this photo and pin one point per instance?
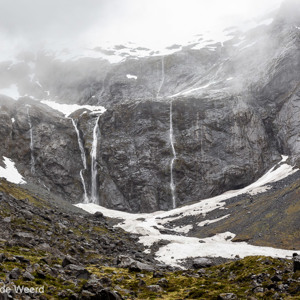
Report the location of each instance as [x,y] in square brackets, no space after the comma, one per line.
[180,246]
[10,172]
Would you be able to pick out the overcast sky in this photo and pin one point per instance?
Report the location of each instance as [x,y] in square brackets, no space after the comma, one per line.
[33,23]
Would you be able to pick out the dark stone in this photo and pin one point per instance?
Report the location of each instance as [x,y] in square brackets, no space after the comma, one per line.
[98,215]
[87,295]
[227,296]
[133,265]
[15,273]
[68,260]
[2,257]
[105,281]
[154,288]
[27,276]
[107,294]
[258,289]
[163,282]
[199,263]
[93,286]
[83,274]
[23,235]
[22,259]
[296,263]
[276,278]
[40,274]
[141,283]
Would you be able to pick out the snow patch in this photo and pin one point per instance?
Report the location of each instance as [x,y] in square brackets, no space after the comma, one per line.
[129,76]
[68,109]
[10,172]
[183,229]
[220,245]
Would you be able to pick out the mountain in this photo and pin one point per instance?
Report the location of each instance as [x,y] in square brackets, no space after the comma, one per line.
[123,166]
[232,107]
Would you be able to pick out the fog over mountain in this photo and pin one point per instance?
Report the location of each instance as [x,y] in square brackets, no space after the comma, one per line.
[34,25]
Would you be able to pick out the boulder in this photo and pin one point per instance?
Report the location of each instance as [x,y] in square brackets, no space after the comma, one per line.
[202,262]
[68,260]
[227,296]
[296,263]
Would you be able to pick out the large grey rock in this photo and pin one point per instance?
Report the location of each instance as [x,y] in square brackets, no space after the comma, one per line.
[133,265]
[202,262]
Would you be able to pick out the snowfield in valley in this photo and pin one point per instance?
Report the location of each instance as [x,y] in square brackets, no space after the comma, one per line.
[180,246]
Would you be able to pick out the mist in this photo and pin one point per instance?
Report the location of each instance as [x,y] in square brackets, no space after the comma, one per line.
[58,24]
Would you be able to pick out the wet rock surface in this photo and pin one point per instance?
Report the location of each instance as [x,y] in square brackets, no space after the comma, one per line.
[234,112]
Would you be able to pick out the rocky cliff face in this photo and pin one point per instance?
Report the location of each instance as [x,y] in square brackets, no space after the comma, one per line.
[206,119]
[43,144]
[220,144]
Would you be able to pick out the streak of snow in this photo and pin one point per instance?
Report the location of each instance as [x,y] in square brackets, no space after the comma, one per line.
[191,90]
[13,120]
[68,109]
[38,83]
[229,78]
[207,222]
[10,172]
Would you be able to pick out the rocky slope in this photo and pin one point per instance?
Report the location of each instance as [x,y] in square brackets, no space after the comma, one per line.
[59,255]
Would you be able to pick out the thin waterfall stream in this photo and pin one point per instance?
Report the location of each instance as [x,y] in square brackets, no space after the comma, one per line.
[172,185]
[162,76]
[94,194]
[83,158]
[32,162]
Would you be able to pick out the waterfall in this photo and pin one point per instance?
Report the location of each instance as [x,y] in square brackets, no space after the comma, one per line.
[172,185]
[94,194]
[83,158]
[32,162]
[162,76]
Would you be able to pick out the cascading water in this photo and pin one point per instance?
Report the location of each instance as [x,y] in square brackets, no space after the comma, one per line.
[162,76]
[172,185]
[94,194]
[32,162]
[83,158]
